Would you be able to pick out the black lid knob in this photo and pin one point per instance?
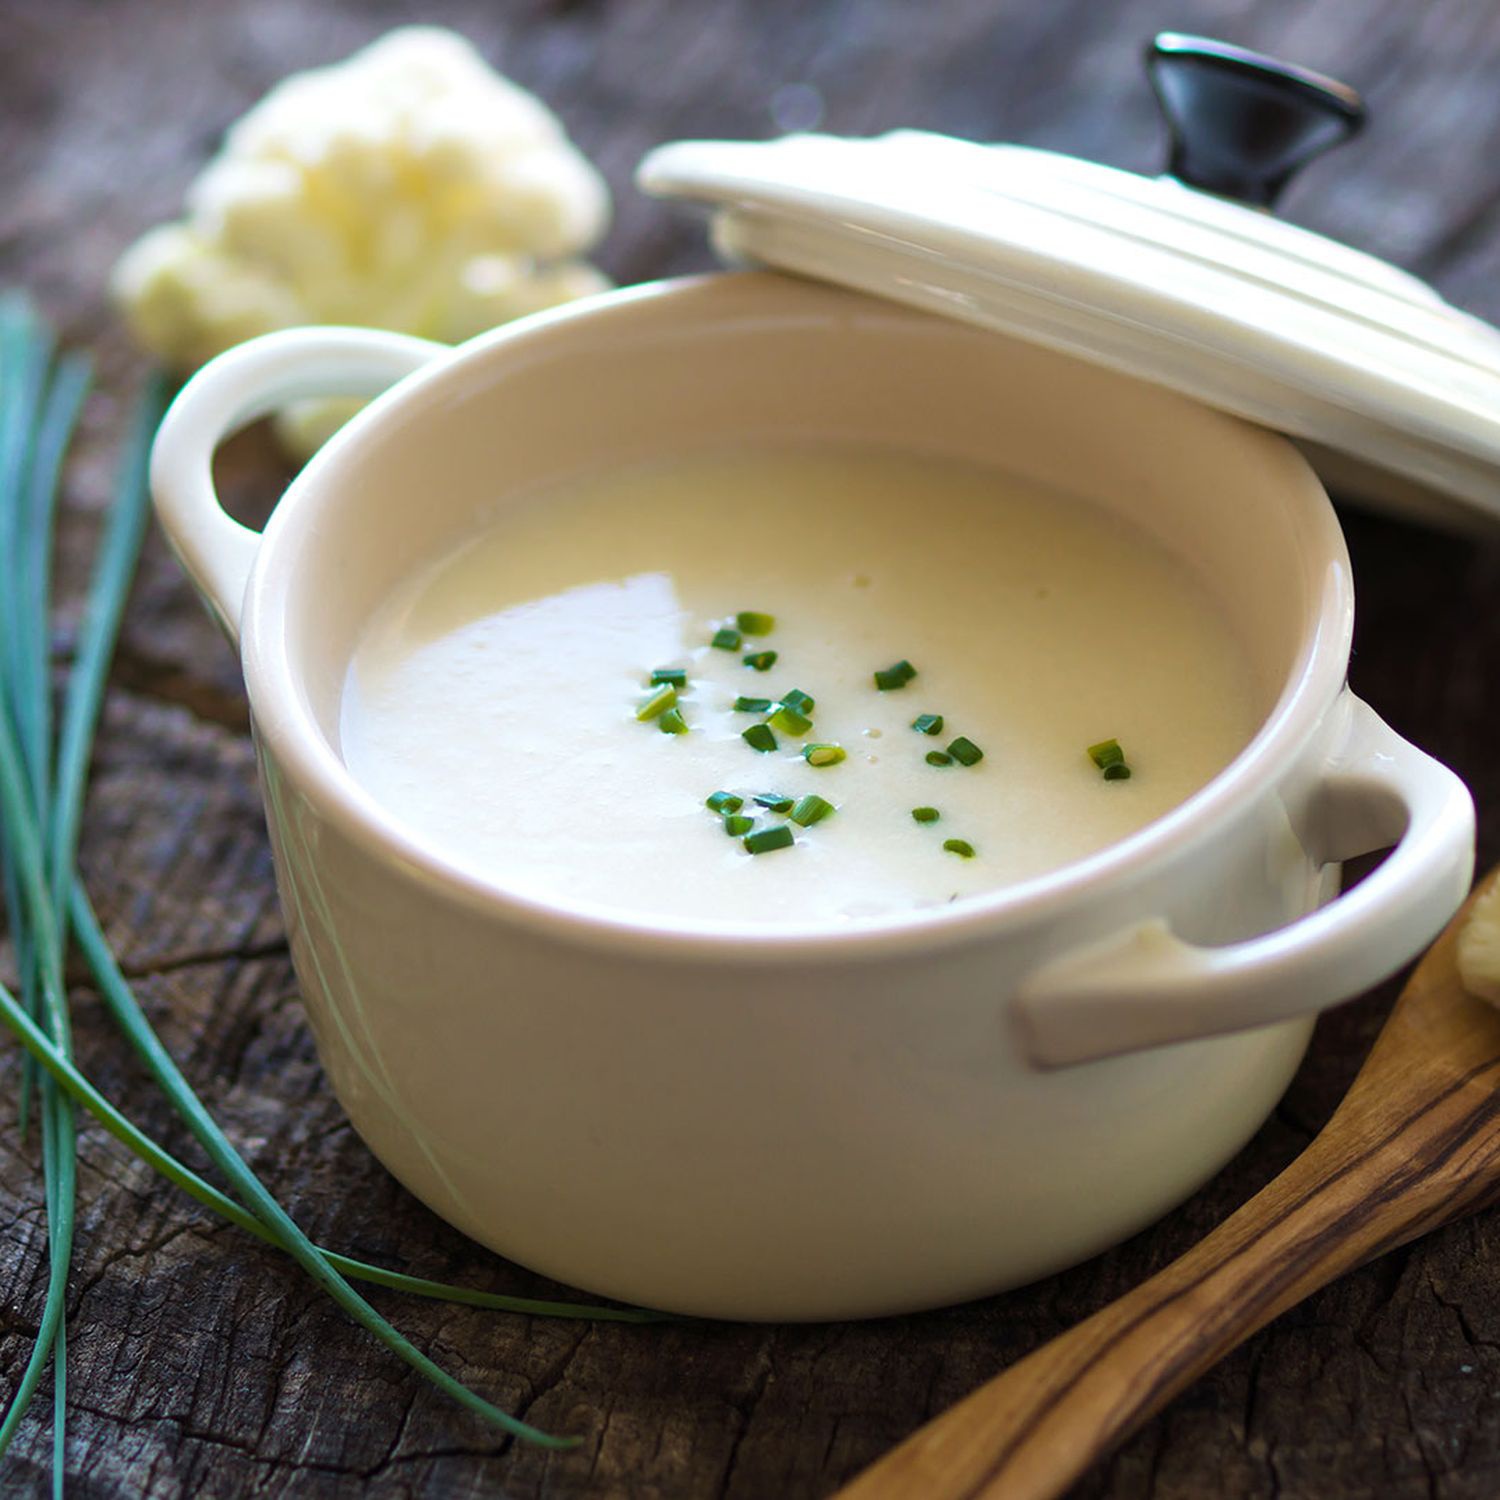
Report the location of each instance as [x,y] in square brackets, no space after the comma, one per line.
[1243,123]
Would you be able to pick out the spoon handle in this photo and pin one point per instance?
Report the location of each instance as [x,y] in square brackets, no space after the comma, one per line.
[1356,1192]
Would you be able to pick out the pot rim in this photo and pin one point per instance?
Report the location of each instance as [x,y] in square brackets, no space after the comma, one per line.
[286,729]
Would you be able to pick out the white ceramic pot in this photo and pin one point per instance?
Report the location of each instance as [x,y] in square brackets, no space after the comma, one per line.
[818,1123]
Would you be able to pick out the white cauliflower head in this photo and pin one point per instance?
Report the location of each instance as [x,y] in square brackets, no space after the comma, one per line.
[1479,945]
[410,187]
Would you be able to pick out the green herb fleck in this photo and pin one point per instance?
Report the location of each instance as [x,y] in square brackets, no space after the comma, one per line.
[895,677]
[672,722]
[965,752]
[744,705]
[759,737]
[737,825]
[961,847]
[939,758]
[1110,759]
[797,699]
[762,661]
[811,809]
[752,622]
[724,802]
[658,703]
[928,723]
[677,676]
[779,837]
[926,814]
[824,755]
[775,801]
[789,721]
[1107,755]
[726,639]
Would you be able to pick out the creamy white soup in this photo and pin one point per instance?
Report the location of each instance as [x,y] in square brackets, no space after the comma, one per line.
[501,702]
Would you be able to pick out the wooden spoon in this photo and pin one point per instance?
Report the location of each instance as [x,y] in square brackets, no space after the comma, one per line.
[1415,1144]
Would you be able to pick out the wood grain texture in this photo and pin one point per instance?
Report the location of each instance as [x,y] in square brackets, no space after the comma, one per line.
[202,1365]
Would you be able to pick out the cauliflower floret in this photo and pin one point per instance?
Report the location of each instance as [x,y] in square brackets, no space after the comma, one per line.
[410,187]
[1479,946]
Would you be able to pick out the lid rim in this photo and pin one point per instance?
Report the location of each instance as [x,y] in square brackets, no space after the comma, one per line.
[1210,301]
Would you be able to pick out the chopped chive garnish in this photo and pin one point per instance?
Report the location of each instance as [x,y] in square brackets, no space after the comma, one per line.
[744,705]
[762,661]
[672,722]
[961,847]
[926,814]
[779,837]
[895,677]
[736,825]
[811,809]
[797,699]
[1110,759]
[789,721]
[965,752]
[658,703]
[677,676]
[726,639]
[939,758]
[928,723]
[724,802]
[752,622]
[775,801]
[824,755]
[759,737]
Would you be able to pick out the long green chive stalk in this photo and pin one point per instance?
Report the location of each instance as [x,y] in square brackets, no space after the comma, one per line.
[25,351]
[42,408]
[40,826]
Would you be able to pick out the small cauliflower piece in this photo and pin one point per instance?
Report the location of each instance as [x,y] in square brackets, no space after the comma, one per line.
[1479,946]
[409,187]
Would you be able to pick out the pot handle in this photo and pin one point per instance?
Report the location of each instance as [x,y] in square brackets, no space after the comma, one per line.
[1145,987]
[232,390]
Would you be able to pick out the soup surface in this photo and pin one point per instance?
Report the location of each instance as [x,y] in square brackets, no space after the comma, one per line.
[492,703]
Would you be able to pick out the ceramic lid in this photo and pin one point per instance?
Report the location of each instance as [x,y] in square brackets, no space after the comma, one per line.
[1394,393]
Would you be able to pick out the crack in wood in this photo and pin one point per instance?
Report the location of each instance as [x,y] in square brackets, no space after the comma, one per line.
[229,954]
[170,682]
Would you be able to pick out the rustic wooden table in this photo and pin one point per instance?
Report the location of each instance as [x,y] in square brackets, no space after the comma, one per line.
[201,1364]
